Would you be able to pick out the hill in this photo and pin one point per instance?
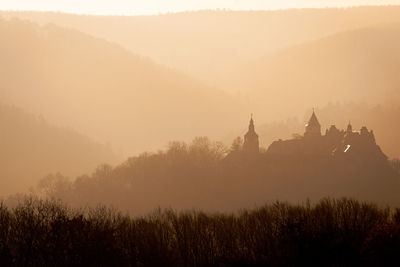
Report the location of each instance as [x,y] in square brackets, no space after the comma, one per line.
[103,90]
[202,175]
[354,66]
[324,56]
[209,44]
[31,148]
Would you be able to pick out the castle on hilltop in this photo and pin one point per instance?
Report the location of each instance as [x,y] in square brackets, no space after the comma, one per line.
[335,142]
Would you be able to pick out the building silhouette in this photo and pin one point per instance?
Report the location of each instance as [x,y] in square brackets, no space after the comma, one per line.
[313,128]
[251,143]
[335,143]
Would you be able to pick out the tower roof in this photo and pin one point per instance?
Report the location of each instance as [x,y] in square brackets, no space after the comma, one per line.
[251,131]
[349,128]
[313,121]
[251,124]
[251,139]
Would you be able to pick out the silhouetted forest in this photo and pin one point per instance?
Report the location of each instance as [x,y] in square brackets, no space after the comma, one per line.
[137,82]
[207,175]
[341,232]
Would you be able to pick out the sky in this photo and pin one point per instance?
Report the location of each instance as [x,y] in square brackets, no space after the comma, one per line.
[149,7]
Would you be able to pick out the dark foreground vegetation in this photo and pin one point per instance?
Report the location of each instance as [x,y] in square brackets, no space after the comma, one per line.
[330,233]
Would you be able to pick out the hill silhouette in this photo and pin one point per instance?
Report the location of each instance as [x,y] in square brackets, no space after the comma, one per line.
[109,93]
[350,55]
[216,205]
[209,44]
[206,175]
[103,90]
[31,148]
[360,65]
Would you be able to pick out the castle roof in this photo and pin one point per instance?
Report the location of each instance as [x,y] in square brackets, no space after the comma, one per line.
[251,144]
[349,128]
[313,121]
[251,131]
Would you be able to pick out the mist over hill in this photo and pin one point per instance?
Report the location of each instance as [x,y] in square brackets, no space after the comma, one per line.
[110,130]
[111,94]
[209,44]
[359,66]
[104,91]
[31,148]
[282,62]
[349,76]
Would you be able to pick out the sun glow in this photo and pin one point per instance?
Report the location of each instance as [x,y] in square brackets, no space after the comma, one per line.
[149,7]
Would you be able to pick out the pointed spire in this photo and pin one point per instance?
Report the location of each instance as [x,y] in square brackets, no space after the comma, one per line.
[313,120]
[313,127]
[349,128]
[251,125]
[251,144]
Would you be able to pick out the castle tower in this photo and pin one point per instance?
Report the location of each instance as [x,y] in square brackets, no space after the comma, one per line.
[313,128]
[251,144]
[349,128]
[367,135]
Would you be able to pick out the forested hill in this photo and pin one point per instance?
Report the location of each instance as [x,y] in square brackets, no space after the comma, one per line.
[206,175]
[30,148]
[358,65]
[208,44]
[104,91]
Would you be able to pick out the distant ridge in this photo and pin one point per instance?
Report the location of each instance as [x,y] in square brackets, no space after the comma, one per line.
[31,148]
[105,91]
[354,66]
[209,44]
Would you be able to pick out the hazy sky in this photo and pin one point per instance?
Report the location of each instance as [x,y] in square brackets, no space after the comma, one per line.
[129,7]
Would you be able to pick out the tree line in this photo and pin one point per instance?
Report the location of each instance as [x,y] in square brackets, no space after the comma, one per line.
[332,232]
[207,175]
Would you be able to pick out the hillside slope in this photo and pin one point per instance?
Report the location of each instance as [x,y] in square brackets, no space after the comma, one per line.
[103,90]
[31,148]
[359,66]
[208,44]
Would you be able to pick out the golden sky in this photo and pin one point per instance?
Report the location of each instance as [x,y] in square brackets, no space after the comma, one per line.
[146,7]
